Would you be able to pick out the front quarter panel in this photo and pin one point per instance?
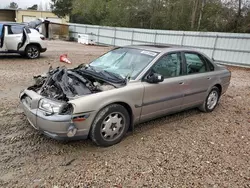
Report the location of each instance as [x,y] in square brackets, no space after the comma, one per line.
[131,94]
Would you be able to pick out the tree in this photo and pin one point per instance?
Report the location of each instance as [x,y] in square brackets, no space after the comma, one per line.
[61,8]
[46,6]
[13,5]
[95,11]
[238,17]
[200,15]
[194,13]
[40,7]
[34,7]
[214,17]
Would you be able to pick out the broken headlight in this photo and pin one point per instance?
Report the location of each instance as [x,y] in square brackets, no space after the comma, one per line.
[66,109]
[49,106]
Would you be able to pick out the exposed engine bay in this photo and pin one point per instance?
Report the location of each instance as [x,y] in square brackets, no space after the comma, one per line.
[66,84]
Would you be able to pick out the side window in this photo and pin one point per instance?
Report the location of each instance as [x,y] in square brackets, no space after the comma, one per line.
[27,30]
[169,65]
[210,66]
[15,29]
[195,63]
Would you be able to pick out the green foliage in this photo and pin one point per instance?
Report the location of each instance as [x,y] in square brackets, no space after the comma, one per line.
[13,5]
[61,8]
[34,7]
[202,15]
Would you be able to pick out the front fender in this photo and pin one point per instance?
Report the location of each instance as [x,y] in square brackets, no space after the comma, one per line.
[131,94]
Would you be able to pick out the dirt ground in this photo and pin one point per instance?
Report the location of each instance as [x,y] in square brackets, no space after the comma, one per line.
[188,149]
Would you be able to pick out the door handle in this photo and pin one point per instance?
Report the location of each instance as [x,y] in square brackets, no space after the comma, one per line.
[208,78]
[181,83]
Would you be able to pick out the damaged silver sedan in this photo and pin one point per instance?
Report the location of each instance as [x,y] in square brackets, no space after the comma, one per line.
[124,87]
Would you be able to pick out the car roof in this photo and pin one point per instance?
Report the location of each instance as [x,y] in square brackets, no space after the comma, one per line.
[161,47]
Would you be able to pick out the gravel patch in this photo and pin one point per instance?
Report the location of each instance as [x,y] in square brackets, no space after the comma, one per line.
[188,149]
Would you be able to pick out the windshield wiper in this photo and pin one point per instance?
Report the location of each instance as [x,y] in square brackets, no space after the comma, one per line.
[114,75]
[90,67]
[85,67]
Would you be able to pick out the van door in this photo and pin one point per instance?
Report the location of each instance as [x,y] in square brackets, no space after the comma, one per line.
[2,42]
[13,37]
[25,39]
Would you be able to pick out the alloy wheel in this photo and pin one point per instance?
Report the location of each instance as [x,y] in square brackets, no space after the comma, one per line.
[112,126]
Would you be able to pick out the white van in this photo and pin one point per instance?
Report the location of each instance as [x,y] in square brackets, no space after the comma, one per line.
[19,38]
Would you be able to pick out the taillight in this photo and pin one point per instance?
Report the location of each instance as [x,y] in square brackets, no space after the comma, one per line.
[43,38]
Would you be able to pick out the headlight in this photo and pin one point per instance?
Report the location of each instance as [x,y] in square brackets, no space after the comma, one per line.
[49,106]
[66,109]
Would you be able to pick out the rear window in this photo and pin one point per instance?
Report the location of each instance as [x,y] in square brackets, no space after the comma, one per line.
[15,29]
[210,66]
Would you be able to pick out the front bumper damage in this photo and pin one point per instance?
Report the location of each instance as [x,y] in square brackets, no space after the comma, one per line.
[47,103]
[54,126]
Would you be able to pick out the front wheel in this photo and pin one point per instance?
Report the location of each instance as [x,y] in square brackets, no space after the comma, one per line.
[110,125]
[211,101]
[32,51]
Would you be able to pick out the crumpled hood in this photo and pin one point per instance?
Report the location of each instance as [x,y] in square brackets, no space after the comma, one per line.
[67,84]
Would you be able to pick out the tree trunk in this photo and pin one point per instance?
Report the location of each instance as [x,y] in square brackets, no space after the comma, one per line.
[238,17]
[201,14]
[194,13]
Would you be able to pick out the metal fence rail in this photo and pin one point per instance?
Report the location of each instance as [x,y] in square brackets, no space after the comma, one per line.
[225,48]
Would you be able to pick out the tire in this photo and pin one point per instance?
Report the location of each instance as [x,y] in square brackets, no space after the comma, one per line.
[106,133]
[32,51]
[211,101]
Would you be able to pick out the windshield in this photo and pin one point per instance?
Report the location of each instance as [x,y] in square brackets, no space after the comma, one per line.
[125,62]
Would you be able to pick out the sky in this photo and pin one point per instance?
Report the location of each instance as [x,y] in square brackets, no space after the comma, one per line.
[23,3]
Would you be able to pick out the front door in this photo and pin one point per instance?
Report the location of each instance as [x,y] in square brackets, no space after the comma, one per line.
[165,97]
[2,37]
[13,37]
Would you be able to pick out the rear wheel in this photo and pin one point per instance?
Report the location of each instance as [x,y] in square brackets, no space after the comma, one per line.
[110,125]
[32,51]
[211,101]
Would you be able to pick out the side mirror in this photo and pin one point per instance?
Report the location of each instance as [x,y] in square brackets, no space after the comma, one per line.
[154,78]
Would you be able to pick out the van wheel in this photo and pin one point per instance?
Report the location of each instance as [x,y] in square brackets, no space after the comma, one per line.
[32,51]
[110,125]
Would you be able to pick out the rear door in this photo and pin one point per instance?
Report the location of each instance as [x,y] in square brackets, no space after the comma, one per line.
[165,97]
[198,79]
[13,37]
